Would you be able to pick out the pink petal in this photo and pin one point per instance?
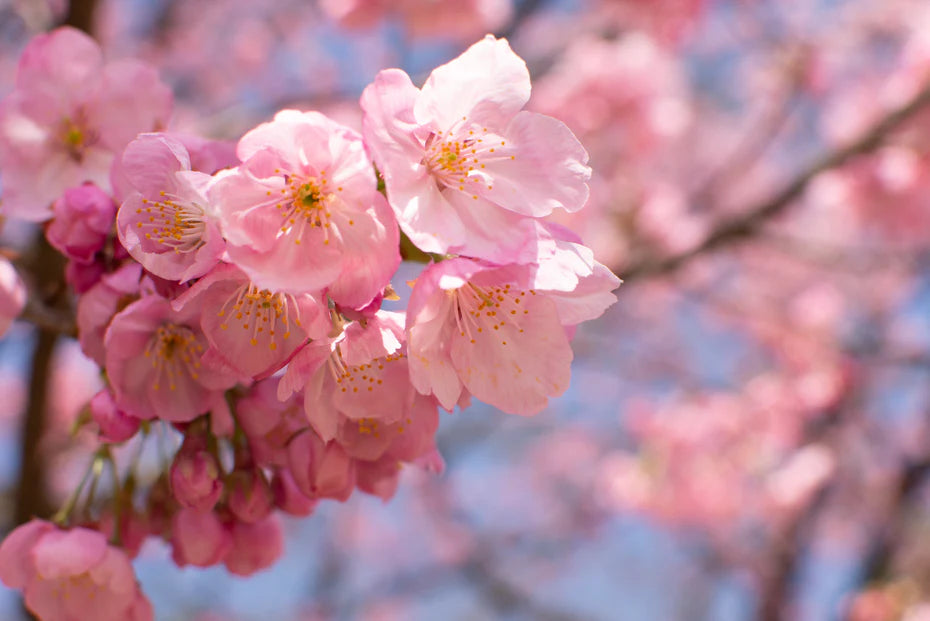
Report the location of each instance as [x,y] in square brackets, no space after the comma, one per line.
[488,84]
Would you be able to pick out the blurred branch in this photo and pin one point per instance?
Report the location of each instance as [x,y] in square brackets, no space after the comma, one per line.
[748,151]
[776,599]
[523,11]
[746,224]
[81,15]
[48,291]
[888,538]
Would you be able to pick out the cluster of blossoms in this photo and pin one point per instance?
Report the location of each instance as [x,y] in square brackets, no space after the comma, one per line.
[234,292]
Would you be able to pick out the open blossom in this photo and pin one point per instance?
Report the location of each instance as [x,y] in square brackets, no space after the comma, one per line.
[71,574]
[111,294]
[356,390]
[303,214]
[68,116]
[166,224]
[153,362]
[500,333]
[465,169]
[250,329]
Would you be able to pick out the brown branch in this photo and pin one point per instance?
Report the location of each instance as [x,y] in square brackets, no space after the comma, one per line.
[81,15]
[46,266]
[746,224]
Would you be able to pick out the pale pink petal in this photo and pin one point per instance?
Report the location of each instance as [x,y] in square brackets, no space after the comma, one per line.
[488,84]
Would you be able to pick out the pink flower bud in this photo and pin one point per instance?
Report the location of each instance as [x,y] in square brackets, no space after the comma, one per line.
[288,497]
[250,497]
[255,546]
[199,538]
[83,276]
[321,470]
[83,218]
[115,425]
[195,478]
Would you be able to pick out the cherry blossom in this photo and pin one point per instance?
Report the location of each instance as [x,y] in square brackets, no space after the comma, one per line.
[463,165]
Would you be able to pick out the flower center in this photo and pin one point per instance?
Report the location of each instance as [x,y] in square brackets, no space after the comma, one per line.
[458,157]
[178,225]
[264,315]
[175,353]
[486,309]
[306,203]
[75,138]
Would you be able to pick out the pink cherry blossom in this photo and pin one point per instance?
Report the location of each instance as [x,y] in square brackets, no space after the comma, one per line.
[97,306]
[69,574]
[488,330]
[463,165]
[68,116]
[362,375]
[303,213]
[153,361]
[83,220]
[252,330]
[167,224]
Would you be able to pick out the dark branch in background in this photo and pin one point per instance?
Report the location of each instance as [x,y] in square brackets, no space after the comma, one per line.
[746,224]
[520,14]
[81,15]
[776,599]
[887,539]
[48,290]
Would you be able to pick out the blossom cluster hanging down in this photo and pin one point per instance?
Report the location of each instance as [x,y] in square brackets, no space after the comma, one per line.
[234,294]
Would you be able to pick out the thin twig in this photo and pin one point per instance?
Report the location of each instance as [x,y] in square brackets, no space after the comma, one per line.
[748,223]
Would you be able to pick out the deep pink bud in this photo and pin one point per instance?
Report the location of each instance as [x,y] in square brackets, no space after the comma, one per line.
[250,497]
[199,538]
[83,218]
[255,546]
[288,497]
[321,470]
[83,276]
[115,425]
[195,478]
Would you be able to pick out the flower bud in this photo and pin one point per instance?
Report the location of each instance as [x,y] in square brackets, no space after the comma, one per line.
[255,546]
[199,538]
[288,497]
[83,218]
[195,478]
[250,497]
[115,425]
